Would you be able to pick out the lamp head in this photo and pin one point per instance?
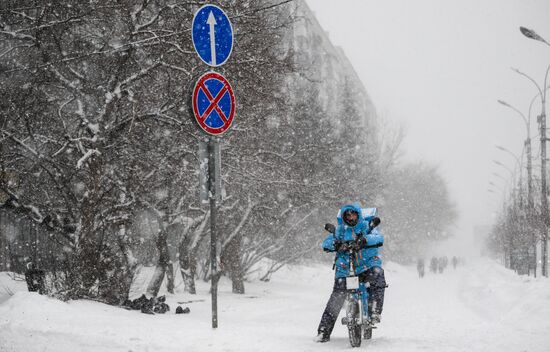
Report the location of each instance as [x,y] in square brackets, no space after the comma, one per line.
[529,33]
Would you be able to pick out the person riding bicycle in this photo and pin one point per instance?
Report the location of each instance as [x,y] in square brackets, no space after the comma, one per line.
[353,228]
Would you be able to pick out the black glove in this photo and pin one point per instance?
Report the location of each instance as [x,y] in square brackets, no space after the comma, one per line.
[361,242]
[342,246]
[347,246]
[353,246]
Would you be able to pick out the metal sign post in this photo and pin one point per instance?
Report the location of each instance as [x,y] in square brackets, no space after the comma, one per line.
[213,180]
[211,193]
[204,171]
[213,104]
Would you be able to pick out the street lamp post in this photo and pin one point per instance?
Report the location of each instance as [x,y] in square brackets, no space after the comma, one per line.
[506,183]
[530,203]
[519,164]
[491,183]
[507,233]
[531,34]
[512,173]
[513,213]
[501,177]
[527,145]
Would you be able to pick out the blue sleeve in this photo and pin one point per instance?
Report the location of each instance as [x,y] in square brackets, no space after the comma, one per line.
[328,243]
[375,238]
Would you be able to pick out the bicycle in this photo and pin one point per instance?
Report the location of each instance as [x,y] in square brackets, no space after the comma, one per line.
[357,317]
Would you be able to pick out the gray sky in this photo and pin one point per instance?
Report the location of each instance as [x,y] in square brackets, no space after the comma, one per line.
[438,67]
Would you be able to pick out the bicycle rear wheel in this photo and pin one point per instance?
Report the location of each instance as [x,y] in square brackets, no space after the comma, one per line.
[368,333]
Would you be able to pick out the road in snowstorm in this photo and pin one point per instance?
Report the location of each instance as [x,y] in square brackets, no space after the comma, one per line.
[480,306]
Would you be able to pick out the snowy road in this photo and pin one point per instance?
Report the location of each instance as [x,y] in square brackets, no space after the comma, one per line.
[475,308]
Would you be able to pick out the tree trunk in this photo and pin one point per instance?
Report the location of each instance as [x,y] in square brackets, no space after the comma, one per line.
[91,257]
[188,264]
[231,260]
[156,281]
[170,277]
[237,279]
[87,266]
[127,271]
[164,266]
[3,246]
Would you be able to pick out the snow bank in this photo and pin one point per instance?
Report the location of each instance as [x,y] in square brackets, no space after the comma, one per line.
[11,283]
[479,307]
[250,322]
[521,303]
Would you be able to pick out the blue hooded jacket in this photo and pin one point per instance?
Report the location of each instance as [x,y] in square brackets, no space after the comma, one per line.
[366,257]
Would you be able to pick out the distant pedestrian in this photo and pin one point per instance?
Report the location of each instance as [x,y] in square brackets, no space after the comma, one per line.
[441,264]
[433,265]
[420,267]
[455,262]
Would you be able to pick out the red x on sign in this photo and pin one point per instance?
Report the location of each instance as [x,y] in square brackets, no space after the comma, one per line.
[213,103]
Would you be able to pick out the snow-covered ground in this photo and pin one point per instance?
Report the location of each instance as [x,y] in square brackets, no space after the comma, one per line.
[478,307]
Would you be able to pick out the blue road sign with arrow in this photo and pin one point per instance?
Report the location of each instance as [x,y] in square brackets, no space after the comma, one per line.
[212,35]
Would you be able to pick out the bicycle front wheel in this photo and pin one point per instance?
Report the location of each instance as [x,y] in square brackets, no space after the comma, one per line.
[354,332]
[354,328]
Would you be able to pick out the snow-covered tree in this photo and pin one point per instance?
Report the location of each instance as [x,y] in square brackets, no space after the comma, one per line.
[417,210]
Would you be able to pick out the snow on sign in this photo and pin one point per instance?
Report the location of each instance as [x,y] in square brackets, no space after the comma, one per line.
[213,103]
[212,35]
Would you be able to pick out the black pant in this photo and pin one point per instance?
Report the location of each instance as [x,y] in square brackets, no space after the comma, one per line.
[374,276]
[377,286]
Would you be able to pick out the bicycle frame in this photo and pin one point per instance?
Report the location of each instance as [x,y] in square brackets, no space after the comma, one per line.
[361,296]
[357,308]
[357,317]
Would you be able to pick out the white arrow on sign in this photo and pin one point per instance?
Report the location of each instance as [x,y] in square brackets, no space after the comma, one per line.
[212,22]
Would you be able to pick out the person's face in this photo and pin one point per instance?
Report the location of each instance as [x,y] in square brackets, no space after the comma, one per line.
[351,217]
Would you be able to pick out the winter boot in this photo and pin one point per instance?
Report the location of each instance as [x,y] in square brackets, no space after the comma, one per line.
[322,336]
